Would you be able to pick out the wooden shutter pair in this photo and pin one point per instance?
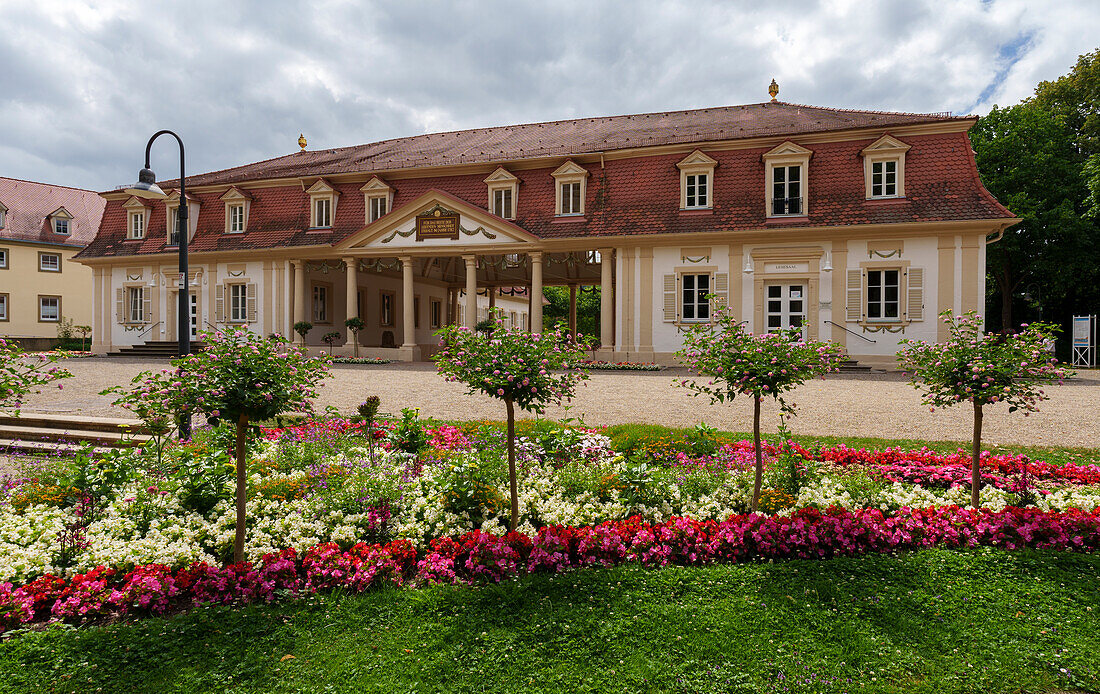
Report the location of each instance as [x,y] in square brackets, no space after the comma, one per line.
[856,309]
[720,289]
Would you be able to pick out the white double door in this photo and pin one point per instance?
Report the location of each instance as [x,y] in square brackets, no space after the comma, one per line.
[785,306]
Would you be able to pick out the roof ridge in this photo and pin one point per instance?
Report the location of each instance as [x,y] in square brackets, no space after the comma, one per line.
[944,115]
[49,185]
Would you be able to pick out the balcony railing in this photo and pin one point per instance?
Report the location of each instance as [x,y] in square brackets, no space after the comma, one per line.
[788,206]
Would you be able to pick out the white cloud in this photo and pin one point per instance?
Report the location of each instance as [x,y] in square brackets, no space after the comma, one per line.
[84,83]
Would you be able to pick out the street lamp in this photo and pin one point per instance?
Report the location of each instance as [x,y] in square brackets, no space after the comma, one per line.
[147,187]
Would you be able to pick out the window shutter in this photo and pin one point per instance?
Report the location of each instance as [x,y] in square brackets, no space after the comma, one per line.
[670,298]
[251,302]
[219,303]
[120,305]
[721,290]
[146,307]
[915,298]
[855,296]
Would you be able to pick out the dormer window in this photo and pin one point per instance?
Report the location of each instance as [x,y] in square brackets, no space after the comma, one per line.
[503,188]
[59,221]
[322,198]
[137,218]
[237,203]
[570,178]
[884,168]
[172,205]
[696,177]
[377,199]
[787,169]
[3,215]
[137,225]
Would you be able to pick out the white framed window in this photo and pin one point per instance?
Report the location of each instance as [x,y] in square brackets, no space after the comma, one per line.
[378,207]
[61,226]
[787,190]
[502,203]
[49,309]
[135,304]
[3,307]
[437,313]
[236,219]
[883,295]
[694,305]
[320,304]
[884,168]
[322,212]
[696,176]
[238,303]
[173,227]
[137,225]
[49,262]
[385,313]
[787,168]
[3,259]
[569,199]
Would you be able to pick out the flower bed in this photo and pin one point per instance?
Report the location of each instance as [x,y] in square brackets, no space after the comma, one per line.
[619,366]
[479,556]
[360,360]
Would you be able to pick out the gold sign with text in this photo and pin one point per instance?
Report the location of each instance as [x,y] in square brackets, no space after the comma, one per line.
[437,224]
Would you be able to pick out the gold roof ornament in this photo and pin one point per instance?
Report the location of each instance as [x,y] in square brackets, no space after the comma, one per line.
[773,89]
[302,141]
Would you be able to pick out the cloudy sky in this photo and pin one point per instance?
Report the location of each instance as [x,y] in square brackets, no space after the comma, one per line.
[83,84]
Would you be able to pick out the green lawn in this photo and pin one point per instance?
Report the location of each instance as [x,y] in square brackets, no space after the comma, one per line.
[933,621]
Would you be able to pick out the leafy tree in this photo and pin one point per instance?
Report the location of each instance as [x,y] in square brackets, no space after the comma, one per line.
[303,327]
[85,331]
[528,370]
[22,373]
[354,325]
[329,338]
[556,313]
[740,363]
[983,369]
[240,377]
[1027,159]
[1074,99]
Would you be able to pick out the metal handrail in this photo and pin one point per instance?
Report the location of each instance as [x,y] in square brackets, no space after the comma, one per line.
[148,329]
[853,333]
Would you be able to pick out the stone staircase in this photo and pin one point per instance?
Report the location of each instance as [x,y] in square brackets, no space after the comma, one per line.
[155,349]
[51,434]
[851,366]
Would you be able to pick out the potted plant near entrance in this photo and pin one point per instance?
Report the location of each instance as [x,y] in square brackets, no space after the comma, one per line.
[303,327]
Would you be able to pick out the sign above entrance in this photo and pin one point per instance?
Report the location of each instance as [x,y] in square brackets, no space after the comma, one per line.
[437,223]
[770,268]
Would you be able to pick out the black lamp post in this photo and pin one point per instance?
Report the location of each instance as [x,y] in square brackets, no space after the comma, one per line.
[147,187]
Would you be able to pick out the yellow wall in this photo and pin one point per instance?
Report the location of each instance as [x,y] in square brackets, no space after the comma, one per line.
[23,283]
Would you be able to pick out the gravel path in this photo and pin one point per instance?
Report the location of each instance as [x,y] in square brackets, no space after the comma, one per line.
[878,405]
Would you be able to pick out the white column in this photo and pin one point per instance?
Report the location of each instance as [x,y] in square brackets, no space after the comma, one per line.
[471,290]
[351,297]
[407,315]
[300,290]
[607,305]
[536,292]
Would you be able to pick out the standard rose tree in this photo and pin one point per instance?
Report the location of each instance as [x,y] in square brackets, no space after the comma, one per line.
[21,374]
[528,370]
[740,363]
[972,366]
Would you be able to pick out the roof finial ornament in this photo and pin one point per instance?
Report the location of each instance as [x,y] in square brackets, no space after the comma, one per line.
[302,140]
[773,89]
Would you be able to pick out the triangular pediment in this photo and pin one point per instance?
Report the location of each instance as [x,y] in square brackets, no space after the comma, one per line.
[697,159]
[60,213]
[376,185]
[135,203]
[789,149]
[502,175]
[447,222]
[235,194]
[321,186]
[570,168]
[886,145]
[174,198]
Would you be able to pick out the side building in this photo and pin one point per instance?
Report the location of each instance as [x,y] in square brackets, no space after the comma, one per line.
[854,226]
[42,227]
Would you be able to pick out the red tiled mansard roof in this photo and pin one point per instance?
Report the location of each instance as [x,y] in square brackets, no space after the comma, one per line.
[626,196]
[30,204]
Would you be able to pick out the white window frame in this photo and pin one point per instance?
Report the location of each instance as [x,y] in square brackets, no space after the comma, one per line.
[236,218]
[786,184]
[565,175]
[136,228]
[61,226]
[504,203]
[700,300]
[378,207]
[3,259]
[42,304]
[786,155]
[695,166]
[238,303]
[374,189]
[320,298]
[42,267]
[883,150]
[237,205]
[172,205]
[173,226]
[882,303]
[322,213]
[322,195]
[4,307]
[880,176]
[135,304]
[499,182]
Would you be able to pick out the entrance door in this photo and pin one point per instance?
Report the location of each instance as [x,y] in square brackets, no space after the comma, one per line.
[194,315]
[786,307]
